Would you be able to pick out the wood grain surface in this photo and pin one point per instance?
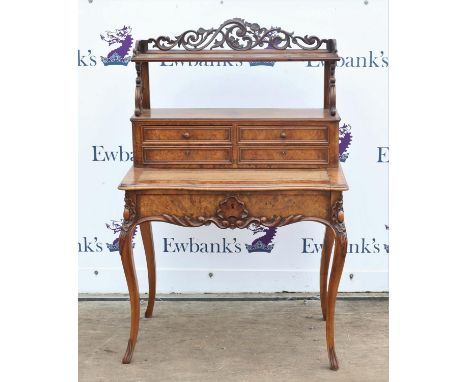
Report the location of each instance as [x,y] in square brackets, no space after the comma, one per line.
[233,167]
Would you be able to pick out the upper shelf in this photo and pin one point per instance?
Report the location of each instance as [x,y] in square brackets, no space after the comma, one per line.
[245,42]
[241,38]
[229,55]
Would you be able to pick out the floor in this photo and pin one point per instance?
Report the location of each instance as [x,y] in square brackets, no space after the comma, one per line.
[263,340]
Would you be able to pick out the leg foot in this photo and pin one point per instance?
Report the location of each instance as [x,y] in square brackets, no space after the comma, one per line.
[126,254]
[148,314]
[147,236]
[129,352]
[324,264]
[333,359]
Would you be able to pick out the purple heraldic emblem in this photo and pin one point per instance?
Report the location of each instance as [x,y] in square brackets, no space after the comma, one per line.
[262,243]
[118,56]
[116,227]
[345,141]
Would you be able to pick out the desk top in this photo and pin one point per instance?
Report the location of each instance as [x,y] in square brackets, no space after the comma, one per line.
[144,178]
[270,114]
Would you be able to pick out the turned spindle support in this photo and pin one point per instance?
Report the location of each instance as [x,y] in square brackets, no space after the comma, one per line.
[332,89]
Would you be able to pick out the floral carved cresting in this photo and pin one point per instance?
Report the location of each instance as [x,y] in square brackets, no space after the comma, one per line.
[240,35]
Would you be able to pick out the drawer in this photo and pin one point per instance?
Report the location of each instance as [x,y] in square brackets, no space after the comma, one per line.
[188,154]
[186,134]
[283,154]
[283,134]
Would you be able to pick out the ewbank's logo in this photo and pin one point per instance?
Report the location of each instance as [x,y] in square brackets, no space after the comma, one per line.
[345,141]
[264,242]
[116,226]
[118,56]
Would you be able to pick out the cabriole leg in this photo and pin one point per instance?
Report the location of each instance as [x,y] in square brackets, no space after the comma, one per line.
[126,255]
[324,263]
[341,243]
[147,236]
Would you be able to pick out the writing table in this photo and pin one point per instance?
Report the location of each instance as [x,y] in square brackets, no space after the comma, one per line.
[234,167]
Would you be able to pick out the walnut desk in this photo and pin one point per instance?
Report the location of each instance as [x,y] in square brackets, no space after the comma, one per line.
[234,167]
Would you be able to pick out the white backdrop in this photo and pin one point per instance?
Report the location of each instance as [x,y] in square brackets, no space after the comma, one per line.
[184,265]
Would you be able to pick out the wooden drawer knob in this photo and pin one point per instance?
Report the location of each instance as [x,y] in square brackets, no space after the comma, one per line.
[186,135]
[283,135]
[284,153]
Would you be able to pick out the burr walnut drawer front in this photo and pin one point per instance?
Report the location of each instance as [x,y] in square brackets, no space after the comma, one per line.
[283,134]
[307,155]
[187,155]
[185,134]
